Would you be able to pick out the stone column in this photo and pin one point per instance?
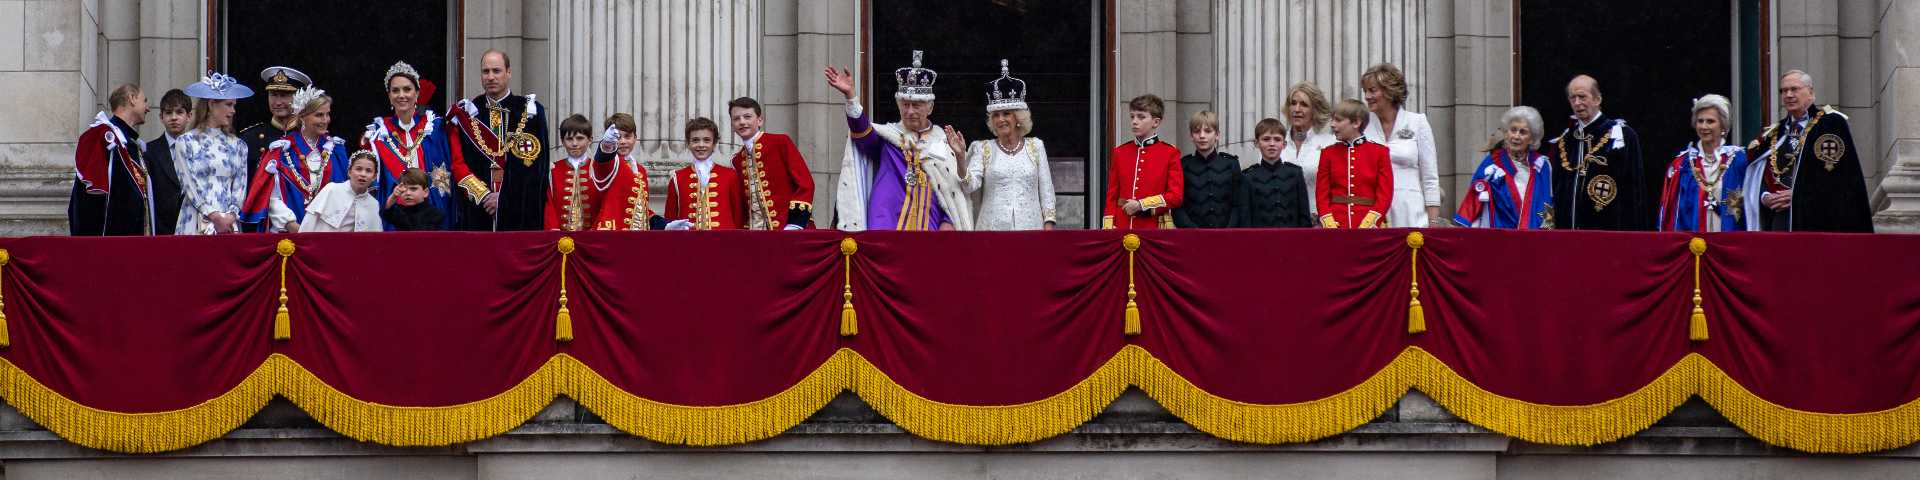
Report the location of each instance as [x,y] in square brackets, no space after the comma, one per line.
[120,30]
[534,64]
[1856,94]
[1478,73]
[169,51]
[1147,63]
[1896,81]
[664,62]
[1261,48]
[499,25]
[826,33]
[50,79]
[1194,44]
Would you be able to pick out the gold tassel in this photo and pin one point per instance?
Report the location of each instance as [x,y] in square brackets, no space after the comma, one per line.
[1697,324]
[282,321]
[6,340]
[563,323]
[849,319]
[1132,327]
[1416,315]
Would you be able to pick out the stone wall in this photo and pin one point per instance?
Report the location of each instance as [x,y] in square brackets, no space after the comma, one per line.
[1893,83]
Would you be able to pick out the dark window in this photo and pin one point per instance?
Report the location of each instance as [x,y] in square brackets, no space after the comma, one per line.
[1049,44]
[1651,60]
[345,45]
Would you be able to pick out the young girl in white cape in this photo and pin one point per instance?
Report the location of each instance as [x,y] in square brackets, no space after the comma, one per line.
[346,206]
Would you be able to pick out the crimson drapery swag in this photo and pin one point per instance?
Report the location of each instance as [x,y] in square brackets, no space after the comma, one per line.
[712,338]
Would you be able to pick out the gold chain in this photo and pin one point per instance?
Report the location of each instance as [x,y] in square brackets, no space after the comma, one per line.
[1700,175]
[473,127]
[1592,148]
[1773,156]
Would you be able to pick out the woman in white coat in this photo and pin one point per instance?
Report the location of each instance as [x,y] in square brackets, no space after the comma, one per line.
[1409,139]
[1009,172]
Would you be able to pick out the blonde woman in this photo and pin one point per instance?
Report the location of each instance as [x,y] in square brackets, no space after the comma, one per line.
[295,167]
[214,160]
[1307,113]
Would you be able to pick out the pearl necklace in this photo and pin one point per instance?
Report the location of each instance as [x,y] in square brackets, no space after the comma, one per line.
[1010,151]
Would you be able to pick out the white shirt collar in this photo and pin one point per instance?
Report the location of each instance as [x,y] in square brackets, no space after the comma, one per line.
[750,141]
[577,162]
[502,98]
[1583,124]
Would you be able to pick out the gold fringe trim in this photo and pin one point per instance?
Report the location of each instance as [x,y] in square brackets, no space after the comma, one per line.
[849,319]
[1808,431]
[1278,423]
[1306,421]
[1132,326]
[710,425]
[138,432]
[419,426]
[995,424]
[1553,424]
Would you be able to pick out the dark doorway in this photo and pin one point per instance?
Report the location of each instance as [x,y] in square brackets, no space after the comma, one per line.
[1049,45]
[1651,60]
[345,45]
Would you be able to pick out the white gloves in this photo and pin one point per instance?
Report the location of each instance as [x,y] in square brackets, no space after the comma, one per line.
[610,141]
[680,225]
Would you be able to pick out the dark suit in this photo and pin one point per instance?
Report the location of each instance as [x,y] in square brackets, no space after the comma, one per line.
[166,185]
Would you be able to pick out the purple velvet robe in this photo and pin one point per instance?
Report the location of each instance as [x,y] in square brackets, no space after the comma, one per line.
[894,204]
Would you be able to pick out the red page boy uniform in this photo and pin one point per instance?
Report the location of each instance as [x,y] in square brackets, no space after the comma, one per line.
[1147,171]
[707,196]
[623,204]
[776,183]
[574,196]
[1354,186]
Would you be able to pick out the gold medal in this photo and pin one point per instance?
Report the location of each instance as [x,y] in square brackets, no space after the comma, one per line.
[1829,149]
[1602,190]
[525,146]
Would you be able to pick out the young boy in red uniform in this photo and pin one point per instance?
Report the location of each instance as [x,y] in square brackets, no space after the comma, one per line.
[704,195]
[623,201]
[1144,181]
[773,175]
[573,193]
[1354,186]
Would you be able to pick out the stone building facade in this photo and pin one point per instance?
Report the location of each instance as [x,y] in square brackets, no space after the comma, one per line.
[668,61]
